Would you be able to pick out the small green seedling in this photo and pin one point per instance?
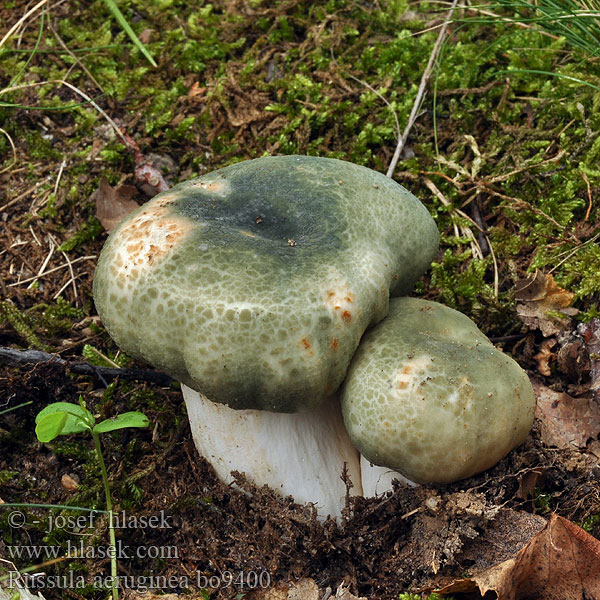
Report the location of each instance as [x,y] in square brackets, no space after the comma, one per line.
[64,418]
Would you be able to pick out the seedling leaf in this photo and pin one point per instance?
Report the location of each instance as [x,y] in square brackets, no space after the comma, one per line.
[77,418]
[128,419]
[50,426]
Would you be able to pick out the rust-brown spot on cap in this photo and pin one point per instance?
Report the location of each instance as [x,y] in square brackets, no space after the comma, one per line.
[213,187]
[150,236]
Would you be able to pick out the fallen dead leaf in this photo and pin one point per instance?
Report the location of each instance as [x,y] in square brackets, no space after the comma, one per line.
[113,204]
[545,356]
[573,359]
[590,332]
[129,594]
[540,304]
[561,562]
[304,589]
[528,483]
[196,90]
[146,36]
[565,421]
[343,593]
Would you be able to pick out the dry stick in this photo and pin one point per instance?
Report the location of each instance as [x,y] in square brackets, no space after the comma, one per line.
[53,270]
[21,358]
[421,92]
[589,192]
[14,151]
[68,51]
[25,193]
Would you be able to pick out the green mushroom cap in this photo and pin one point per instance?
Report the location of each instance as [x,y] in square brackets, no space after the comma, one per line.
[428,395]
[253,284]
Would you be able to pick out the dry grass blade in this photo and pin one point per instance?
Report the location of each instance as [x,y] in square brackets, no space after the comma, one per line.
[14,151]
[78,92]
[22,20]
[421,91]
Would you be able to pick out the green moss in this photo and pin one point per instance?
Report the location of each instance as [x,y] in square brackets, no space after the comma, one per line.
[55,319]
[7,475]
[97,358]
[89,231]
[460,280]
[591,523]
[22,324]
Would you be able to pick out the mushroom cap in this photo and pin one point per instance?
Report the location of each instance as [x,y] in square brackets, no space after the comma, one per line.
[253,284]
[428,395]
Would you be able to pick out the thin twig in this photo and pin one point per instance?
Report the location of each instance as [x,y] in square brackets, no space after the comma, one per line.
[589,192]
[385,100]
[44,265]
[72,55]
[421,92]
[60,172]
[25,193]
[16,283]
[14,151]
[72,280]
[22,358]
[573,252]
[496,276]
[79,93]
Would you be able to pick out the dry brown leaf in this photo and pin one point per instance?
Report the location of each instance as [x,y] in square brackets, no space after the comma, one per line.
[304,589]
[195,90]
[343,593]
[545,356]
[528,483]
[590,332]
[573,359]
[565,421]
[562,562]
[129,594]
[146,36]
[538,301]
[113,204]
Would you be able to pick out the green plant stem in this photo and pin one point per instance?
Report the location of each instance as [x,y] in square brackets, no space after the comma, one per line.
[111,529]
[61,506]
[2,412]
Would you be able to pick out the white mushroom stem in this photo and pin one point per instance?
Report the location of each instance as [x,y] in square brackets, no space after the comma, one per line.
[298,454]
[378,480]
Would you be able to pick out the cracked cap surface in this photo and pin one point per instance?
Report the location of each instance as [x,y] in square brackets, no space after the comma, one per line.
[253,284]
[428,395]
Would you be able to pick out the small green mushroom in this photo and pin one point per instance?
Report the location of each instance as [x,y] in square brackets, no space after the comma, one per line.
[429,396]
[253,285]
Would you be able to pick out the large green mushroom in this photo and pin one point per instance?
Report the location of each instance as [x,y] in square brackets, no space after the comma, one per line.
[429,396]
[253,286]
